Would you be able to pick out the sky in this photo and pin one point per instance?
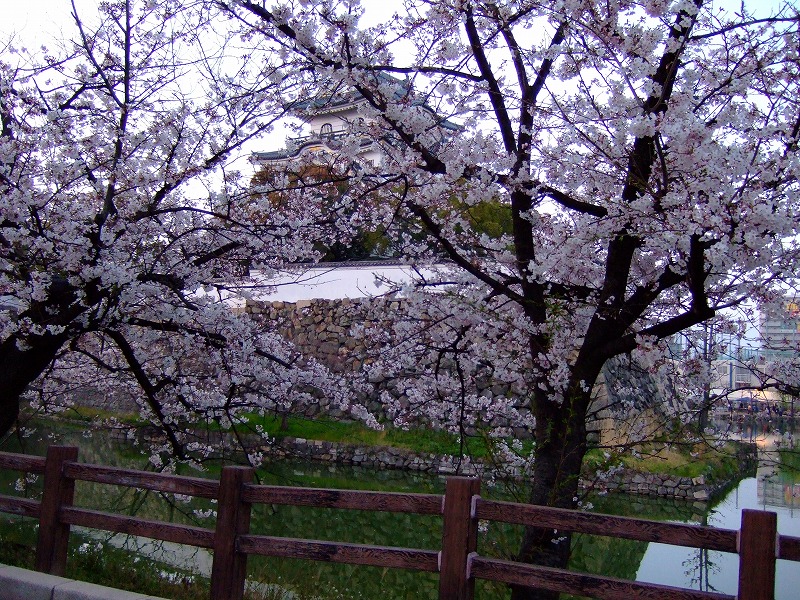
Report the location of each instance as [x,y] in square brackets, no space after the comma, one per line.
[38,19]
[38,22]
[34,18]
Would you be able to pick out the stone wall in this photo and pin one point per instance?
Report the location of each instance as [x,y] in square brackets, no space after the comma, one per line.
[375,457]
[654,484]
[322,329]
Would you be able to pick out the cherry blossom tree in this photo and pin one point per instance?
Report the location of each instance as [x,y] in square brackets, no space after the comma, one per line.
[122,210]
[647,151]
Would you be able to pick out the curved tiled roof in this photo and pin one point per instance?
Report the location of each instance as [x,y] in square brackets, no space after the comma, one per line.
[336,102]
[301,144]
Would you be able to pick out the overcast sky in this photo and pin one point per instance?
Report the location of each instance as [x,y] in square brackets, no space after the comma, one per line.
[37,20]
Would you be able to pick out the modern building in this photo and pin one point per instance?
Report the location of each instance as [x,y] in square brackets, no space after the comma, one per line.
[780,330]
[757,373]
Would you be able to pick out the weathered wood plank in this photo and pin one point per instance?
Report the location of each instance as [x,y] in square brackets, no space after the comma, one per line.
[459,538]
[789,547]
[157,530]
[24,507]
[422,504]
[693,536]
[21,462]
[159,482]
[758,545]
[59,491]
[581,584]
[341,552]
[229,568]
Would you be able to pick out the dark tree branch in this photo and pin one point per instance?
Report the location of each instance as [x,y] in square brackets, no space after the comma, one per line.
[496,96]
[149,389]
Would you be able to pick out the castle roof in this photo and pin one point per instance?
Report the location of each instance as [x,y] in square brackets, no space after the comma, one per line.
[338,101]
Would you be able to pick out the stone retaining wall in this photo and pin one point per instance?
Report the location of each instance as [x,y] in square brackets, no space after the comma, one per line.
[323,329]
[341,334]
[664,486]
[381,457]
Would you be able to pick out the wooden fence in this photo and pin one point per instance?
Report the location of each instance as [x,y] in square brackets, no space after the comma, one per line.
[458,563]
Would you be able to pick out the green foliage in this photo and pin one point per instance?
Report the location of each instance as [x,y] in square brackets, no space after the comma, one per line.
[15,542]
[98,562]
[328,186]
[491,217]
[104,564]
[790,460]
[365,245]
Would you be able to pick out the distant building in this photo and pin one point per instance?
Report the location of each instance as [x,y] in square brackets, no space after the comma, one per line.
[339,118]
[331,120]
[344,139]
[780,330]
[757,374]
[738,370]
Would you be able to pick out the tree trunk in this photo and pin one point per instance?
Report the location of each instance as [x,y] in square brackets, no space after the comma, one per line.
[23,359]
[560,448]
[20,367]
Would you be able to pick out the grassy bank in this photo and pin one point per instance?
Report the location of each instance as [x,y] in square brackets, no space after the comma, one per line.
[715,464]
[101,563]
[96,561]
[680,460]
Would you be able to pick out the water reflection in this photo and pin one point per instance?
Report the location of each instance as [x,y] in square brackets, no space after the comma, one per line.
[765,433]
[776,488]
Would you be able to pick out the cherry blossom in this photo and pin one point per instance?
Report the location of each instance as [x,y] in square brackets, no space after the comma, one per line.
[124,214]
[646,150]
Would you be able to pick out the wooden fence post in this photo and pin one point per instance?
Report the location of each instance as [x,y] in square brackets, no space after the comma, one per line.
[757,554]
[459,538]
[229,568]
[51,546]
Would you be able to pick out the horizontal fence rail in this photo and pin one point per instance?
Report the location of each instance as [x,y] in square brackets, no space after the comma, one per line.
[20,506]
[341,552]
[418,504]
[582,584]
[156,530]
[675,534]
[22,462]
[788,547]
[157,482]
[458,563]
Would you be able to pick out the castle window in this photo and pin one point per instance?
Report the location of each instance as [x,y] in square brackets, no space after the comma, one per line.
[326,128]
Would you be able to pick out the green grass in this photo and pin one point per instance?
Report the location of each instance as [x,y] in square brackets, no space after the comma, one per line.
[98,562]
[420,440]
[320,428]
[715,464]
[103,564]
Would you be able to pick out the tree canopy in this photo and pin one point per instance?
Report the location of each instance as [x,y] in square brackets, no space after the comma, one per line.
[646,151]
[122,206]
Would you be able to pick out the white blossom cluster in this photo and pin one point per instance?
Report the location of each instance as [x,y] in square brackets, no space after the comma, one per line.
[123,214]
[643,154]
